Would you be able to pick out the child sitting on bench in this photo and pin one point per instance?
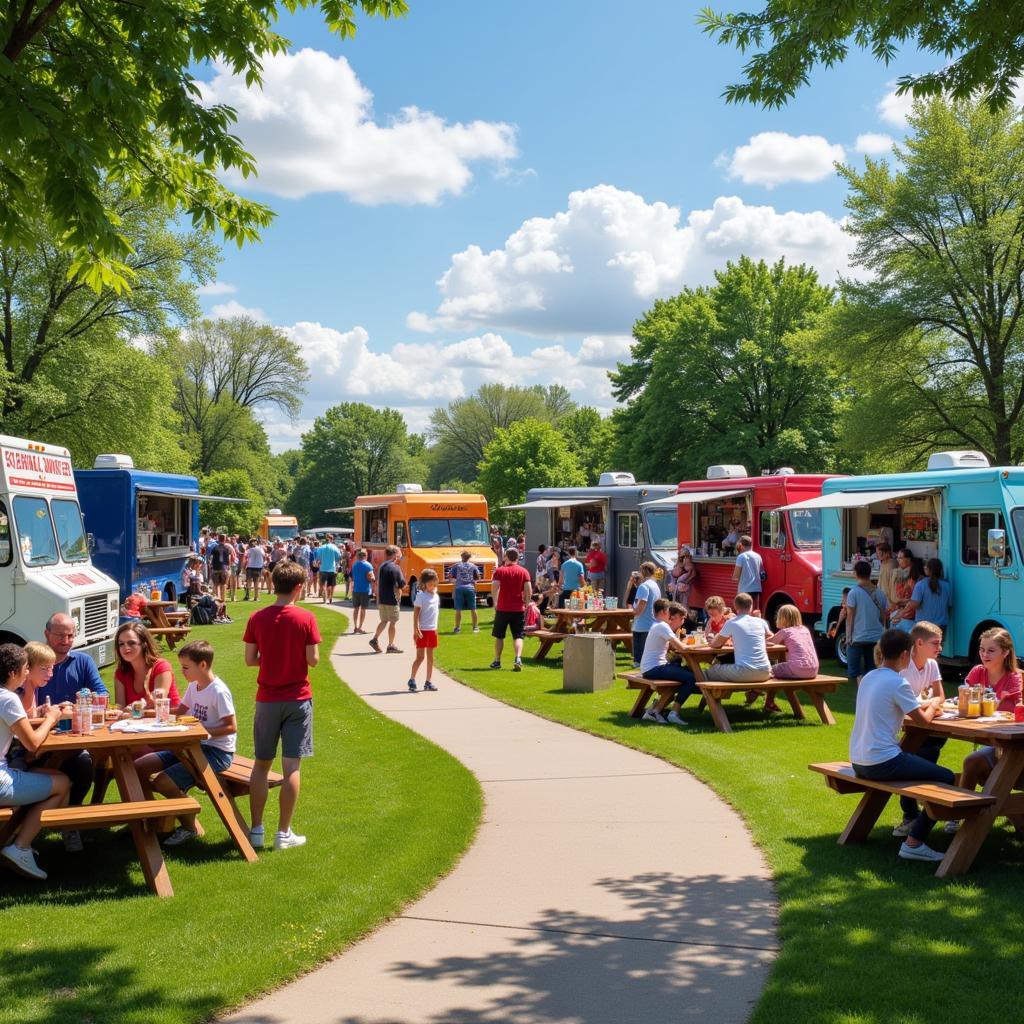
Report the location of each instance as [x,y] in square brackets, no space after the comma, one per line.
[654,663]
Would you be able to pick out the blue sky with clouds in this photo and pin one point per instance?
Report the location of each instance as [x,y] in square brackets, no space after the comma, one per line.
[495,191]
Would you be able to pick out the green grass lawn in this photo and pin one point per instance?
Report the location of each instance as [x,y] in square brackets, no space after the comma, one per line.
[866,938]
[385,813]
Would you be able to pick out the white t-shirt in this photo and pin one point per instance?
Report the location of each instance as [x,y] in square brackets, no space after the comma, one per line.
[750,572]
[921,678]
[254,557]
[10,712]
[748,634]
[883,699]
[656,646]
[429,606]
[211,706]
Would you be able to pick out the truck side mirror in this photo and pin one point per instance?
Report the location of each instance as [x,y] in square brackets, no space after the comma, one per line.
[90,539]
[997,547]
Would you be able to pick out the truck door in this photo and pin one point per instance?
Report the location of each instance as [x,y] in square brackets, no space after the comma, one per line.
[627,549]
[6,566]
[771,546]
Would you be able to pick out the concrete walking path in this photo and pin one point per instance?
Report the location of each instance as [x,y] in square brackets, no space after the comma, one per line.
[604,885]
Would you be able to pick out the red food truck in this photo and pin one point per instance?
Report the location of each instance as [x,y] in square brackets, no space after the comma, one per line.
[714,513]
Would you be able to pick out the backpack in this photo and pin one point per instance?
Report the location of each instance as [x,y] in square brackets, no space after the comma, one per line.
[204,611]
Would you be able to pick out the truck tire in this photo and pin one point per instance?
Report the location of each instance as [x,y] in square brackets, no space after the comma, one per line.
[841,656]
[11,638]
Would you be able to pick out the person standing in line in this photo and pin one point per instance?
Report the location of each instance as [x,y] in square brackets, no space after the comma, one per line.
[425,611]
[865,615]
[362,586]
[465,575]
[571,577]
[314,569]
[220,563]
[330,556]
[300,556]
[511,591]
[647,592]
[253,569]
[596,562]
[749,571]
[888,572]
[390,584]
[283,642]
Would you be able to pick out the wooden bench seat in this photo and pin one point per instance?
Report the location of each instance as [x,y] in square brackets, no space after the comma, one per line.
[106,815]
[171,634]
[713,692]
[548,638]
[664,688]
[942,802]
[237,781]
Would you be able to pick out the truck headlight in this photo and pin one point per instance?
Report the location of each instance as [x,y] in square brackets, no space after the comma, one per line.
[76,618]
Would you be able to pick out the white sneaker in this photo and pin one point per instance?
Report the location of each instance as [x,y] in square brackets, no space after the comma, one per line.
[922,852]
[951,827]
[23,861]
[673,719]
[72,841]
[178,836]
[286,840]
[650,715]
[256,837]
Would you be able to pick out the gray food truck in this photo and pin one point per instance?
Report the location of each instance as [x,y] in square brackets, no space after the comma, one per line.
[610,511]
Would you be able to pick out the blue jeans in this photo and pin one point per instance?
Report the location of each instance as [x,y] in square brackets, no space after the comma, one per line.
[912,768]
[686,679]
[639,642]
[860,658]
[929,750]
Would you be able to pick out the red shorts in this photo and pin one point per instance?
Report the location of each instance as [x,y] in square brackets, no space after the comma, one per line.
[428,640]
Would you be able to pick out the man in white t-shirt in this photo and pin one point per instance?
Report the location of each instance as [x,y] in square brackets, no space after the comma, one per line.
[654,663]
[748,634]
[254,562]
[747,572]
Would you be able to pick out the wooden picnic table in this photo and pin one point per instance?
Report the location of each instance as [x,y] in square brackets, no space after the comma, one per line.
[139,807]
[166,621]
[1008,739]
[613,623]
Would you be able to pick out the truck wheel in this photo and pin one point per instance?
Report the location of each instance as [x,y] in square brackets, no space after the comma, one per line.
[11,638]
[841,655]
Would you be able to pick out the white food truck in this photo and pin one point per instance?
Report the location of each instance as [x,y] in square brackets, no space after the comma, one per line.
[44,552]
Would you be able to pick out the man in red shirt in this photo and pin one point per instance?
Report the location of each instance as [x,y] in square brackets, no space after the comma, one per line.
[511,591]
[282,641]
[596,562]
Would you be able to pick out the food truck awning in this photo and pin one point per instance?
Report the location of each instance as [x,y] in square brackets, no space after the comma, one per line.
[557,502]
[177,492]
[855,499]
[352,508]
[692,497]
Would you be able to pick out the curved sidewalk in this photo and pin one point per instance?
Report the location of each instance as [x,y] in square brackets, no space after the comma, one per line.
[604,885]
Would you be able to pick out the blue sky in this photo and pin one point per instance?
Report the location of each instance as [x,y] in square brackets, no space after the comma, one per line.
[519,107]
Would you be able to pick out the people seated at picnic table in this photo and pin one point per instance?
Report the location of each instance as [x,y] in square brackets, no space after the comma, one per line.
[998,671]
[884,699]
[38,789]
[647,592]
[748,634]
[41,659]
[662,637]
[133,607]
[534,618]
[140,670]
[718,614]
[207,698]
[801,661]
[925,678]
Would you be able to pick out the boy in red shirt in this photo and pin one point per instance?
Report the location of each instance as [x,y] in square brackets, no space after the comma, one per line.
[511,590]
[282,641]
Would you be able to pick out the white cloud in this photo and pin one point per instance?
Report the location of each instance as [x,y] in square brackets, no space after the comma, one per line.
[225,310]
[596,266]
[873,144]
[895,110]
[216,288]
[312,128]
[774,158]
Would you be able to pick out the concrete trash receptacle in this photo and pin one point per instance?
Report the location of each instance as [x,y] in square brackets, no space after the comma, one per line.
[588,663]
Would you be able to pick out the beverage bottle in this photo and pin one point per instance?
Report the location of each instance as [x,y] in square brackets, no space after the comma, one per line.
[1018,713]
[963,697]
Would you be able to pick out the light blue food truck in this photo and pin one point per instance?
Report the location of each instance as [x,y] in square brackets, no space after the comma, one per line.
[961,510]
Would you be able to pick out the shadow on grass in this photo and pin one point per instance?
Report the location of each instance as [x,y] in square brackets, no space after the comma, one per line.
[88,983]
[669,948]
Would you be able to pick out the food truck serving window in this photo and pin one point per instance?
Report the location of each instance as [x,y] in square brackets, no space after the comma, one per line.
[443,533]
[35,531]
[720,523]
[6,549]
[974,527]
[67,517]
[375,525]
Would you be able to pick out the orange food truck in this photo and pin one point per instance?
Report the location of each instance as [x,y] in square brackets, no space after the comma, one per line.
[432,528]
[715,512]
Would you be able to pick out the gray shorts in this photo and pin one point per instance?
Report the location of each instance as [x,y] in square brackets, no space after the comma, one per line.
[290,721]
[360,600]
[737,674]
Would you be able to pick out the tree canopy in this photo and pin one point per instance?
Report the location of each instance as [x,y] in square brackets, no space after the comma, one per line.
[930,332]
[723,374]
[240,519]
[95,92]
[979,43]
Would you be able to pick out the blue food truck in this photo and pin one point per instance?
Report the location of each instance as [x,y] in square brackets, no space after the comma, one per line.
[142,525]
[961,510]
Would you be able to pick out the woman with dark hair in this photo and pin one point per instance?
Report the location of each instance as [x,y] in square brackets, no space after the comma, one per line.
[38,789]
[140,669]
[932,597]
[911,570]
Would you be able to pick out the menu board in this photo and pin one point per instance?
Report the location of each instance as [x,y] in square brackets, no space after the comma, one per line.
[920,527]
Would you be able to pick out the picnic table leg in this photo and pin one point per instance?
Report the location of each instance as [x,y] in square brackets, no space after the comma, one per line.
[195,759]
[974,830]
[7,831]
[824,711]
[664,699]
[718,714]
[542,650]
[794,703]
[868,811]
[150,855]
[641,702]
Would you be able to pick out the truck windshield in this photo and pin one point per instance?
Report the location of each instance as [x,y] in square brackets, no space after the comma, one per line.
[282,532]
[805,524]
[448,533]
[35,531]
[663,529]
[67,517]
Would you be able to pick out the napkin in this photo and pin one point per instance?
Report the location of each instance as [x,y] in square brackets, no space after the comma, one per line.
[145,725]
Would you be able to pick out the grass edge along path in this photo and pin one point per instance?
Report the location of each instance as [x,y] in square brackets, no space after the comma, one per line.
[386,813]
[866,938]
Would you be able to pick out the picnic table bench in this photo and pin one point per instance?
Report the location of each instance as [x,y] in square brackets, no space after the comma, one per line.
[237,781]
[171,626]
[608,622]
